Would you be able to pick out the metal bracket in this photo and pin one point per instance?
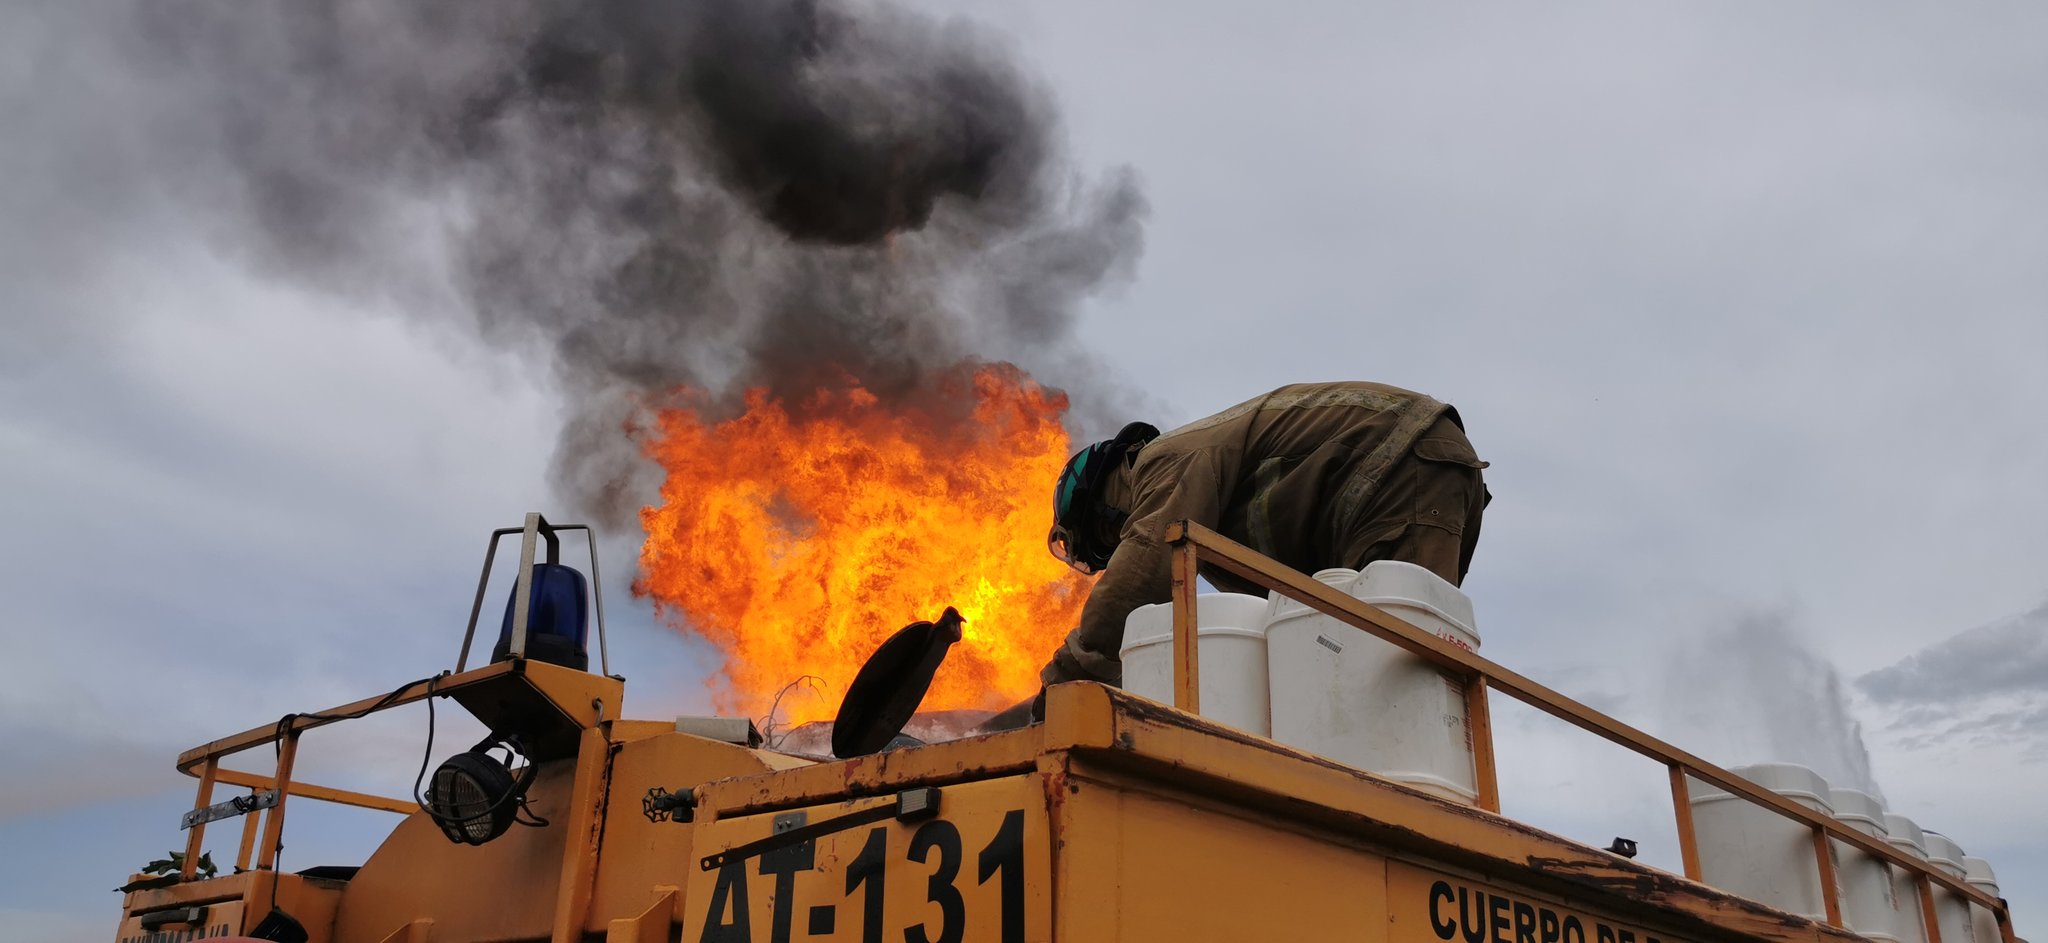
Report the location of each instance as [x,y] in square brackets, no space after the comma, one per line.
[911,805]
[802,856]
[182,916]
[239,805]
[661,805]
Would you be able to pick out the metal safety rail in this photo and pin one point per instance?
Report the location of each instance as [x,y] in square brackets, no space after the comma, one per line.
[1193,543]
[557,706]
[265,802]
[549,703]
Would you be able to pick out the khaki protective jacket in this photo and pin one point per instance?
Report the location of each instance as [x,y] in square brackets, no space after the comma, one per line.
[1314,475]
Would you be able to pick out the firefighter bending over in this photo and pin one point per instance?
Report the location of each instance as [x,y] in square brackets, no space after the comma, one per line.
[1314,475]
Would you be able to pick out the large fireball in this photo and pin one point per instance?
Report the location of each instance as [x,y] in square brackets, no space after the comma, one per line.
[798,540]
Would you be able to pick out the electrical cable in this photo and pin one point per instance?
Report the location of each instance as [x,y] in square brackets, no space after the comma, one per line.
[284,729]
[286,723]
[427,756]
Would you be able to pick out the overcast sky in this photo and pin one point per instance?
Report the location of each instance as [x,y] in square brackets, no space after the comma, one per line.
[1747,304]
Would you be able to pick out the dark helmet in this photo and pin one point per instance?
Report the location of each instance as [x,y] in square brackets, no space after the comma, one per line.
[1084,529]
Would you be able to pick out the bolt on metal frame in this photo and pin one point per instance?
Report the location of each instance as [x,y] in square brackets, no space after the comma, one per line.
[1194,544]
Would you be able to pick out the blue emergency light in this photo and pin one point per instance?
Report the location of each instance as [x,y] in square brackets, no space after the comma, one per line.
[557,618]
[558,605]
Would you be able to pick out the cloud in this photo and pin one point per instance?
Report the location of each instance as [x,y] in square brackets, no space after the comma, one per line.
[56,927]
[1983,689]
[2004,658]
[56,768]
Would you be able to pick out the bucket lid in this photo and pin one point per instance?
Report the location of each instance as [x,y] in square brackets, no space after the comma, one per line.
[1978,871]
[1215,614]
[1790,780]
[1944,853]
[1397,581]
[1905,834]
[1860,809]
[888,688]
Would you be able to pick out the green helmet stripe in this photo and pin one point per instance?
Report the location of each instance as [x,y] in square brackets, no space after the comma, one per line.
[1070,485]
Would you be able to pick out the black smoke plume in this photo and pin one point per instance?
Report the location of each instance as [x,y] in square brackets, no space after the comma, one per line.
[712,193]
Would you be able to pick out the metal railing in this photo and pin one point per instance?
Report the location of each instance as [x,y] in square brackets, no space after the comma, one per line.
[266,800]
[207,761]
[1193,544]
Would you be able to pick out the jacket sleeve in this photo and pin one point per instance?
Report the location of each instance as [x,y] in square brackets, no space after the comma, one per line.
[1140,572]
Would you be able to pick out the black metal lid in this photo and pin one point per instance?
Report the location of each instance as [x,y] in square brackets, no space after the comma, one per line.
[891,685]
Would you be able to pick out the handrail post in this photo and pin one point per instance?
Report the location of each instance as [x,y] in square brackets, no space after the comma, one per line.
[1927,914]
[522,584]
[249,829]
[476,609]
[197,837]
[273,824]
[1479,727]
[1830,895]
[1187,668]
[1688,840]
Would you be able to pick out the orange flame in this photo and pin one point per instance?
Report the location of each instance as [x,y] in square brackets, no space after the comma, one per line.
[798,544]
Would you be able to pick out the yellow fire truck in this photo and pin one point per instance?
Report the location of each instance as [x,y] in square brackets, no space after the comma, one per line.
[1115,818]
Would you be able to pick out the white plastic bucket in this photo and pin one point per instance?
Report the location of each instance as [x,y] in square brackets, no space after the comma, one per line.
[1341,693]
[1864,880]
[1983,922]
[1279,606]
[1906,837]
[1231,641]
[1749,850]
[1420,597]
[1950,910]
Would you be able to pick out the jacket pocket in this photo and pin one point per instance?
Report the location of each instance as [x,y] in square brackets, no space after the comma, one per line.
[1447,449]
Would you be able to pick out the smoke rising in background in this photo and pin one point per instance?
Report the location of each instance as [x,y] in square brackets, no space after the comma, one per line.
[1751,691]
[716,194]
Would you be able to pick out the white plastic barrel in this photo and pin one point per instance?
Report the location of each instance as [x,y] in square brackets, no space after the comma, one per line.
[1231,641]
[1983,922]
[1864,880]
[1749,850]
[1910,926]
[1344,694]
[1952,912]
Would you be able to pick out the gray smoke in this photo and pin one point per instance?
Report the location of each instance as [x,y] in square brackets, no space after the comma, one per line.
[713,193]
[1751,691]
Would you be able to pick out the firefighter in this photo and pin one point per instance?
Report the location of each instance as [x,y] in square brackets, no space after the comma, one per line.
[1314,475]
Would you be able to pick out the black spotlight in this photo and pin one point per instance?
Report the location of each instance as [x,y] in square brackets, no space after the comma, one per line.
[475,796]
